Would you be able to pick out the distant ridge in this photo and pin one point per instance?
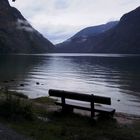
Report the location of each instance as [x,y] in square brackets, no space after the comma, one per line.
[95,30]
[77,43]
[17,35]
[124,37]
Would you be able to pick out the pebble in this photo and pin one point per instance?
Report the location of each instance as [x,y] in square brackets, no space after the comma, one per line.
[22,85]
[5,81]
[37,83]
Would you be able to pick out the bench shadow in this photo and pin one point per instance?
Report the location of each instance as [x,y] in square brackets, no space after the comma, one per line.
[80,119]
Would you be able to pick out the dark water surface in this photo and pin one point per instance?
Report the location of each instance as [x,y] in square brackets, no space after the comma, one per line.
[116,76]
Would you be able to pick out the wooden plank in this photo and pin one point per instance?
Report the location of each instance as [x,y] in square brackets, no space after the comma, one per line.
[75,106]
[70,95]
[97,108]
[79,96]
[102,100]
[103,109]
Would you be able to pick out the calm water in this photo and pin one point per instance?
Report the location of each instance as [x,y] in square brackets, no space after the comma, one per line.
[116,76]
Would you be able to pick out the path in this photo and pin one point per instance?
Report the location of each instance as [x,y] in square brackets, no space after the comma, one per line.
[7,133]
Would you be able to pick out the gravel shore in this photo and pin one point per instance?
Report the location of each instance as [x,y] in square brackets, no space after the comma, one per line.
[7,133]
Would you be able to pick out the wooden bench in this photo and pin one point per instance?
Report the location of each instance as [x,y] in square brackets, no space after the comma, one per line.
[92,99]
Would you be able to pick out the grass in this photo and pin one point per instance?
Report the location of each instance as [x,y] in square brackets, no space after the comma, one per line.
[75,127]
[5,93]
[15,106]
[59,126]
[44,100]
[20,95]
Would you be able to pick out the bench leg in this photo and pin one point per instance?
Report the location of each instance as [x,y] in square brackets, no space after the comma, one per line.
[92,114]
[92,109]
[67,109]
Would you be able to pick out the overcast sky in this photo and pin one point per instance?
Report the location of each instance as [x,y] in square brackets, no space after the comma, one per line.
[60,19]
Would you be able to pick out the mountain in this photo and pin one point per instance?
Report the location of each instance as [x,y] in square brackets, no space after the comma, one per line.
[124,37]
[17,35]
[77,43]
[94,30]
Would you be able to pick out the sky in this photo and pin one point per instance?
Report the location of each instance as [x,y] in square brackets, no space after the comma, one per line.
[58,20]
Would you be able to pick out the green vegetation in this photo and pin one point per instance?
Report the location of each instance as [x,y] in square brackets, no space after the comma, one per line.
[15,106]
[4,92]
[44,100]
[54,125]
[75,127]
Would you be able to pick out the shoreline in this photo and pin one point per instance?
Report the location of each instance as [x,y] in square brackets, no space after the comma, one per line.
[49,122]
[122,118]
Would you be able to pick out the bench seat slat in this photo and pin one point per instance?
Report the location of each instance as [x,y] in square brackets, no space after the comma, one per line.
[97,108]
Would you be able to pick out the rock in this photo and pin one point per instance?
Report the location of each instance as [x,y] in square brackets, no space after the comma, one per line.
[5,81]
[22,85]
[37,83]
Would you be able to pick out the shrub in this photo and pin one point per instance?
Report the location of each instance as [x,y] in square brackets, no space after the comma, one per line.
[14,107]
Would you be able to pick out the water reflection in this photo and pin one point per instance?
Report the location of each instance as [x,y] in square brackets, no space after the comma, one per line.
[14,69]
[117,77]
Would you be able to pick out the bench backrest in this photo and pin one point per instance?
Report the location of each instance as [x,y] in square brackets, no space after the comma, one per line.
[80,97]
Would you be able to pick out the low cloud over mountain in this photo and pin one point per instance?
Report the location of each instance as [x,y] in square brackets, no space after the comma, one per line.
[17,35]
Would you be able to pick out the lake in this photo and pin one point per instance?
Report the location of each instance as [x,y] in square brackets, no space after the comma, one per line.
[115,76]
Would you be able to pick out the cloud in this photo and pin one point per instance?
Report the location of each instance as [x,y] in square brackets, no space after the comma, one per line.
[24,25]
[60,19]
[62,4]
[58,33]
